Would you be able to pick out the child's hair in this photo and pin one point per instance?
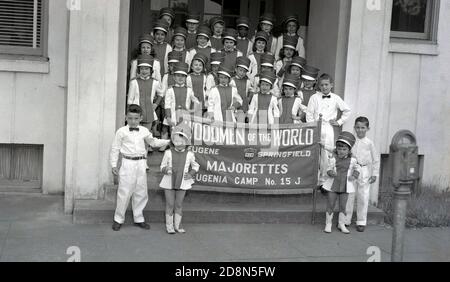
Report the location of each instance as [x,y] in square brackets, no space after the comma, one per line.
[282,56]
[325,76]
[266,49]
[137,51]
[134,109]
[192,71]
[362,120]
[349,151]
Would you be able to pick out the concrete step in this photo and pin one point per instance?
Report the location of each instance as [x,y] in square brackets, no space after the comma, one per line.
[256,210]
[214,207]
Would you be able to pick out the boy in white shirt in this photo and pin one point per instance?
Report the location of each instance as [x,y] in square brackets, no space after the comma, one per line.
[130,143]
[369,161]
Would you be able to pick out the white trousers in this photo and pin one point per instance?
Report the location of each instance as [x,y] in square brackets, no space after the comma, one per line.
[132,185]
[327,138]
[362,196]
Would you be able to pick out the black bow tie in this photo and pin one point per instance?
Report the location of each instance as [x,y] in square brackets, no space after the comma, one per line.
[326,96]
[134,129]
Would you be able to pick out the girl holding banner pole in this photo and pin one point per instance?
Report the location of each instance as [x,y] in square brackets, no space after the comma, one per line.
[179,168]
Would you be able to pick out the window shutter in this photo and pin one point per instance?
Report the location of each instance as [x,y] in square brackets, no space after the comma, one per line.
[21,26]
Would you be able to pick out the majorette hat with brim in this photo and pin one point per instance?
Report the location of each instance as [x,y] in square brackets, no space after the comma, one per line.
[268,76]
[291,80]
[161,25]
[230,33]
[204,30]
[347,138]
[214,20]
[201,57]
[146,38]
[217,58]
[193,18]
[243,62]
[262,35]
[310,73]
[298,61]
[291,18]
[180,31]
[167,12]
[243,21]
[225,70]
[183,129]
[145,61]
[267,60]
[267,18]
[289,42]
[175,56]
[181,68]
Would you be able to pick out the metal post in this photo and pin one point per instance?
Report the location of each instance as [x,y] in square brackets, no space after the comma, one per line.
[401,197]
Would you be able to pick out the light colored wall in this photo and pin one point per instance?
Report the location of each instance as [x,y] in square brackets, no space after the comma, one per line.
[95,34]
[32,95]
[400,86]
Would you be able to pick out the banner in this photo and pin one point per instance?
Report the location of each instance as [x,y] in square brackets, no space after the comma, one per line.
[244,157]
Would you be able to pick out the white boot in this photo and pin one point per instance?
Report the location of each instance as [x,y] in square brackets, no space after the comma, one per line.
[178,227]
[341,225]
[169,224]
[328,222]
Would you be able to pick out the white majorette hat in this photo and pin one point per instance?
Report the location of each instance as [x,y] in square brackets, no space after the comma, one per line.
[243,62]
[291,80]
[145,61]
[181,68]
[225,71]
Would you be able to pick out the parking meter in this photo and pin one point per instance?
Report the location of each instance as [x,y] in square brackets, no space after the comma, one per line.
[405,158]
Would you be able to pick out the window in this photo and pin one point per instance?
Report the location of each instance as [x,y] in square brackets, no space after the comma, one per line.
[180,7]
[415,19]
[229,10]
[23,27]
[21,166]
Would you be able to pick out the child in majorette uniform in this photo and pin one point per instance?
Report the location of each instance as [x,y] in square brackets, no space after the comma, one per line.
[289,104]
[267,64]
[342,172]
[145,47]
[243,85]
[287,53]
[309,80]
[146,92]
[179,168]
[179,43]
[192,24]
[223,100]
[263,108]
[259,48]
[212,80]
[368,159]
[292,25]
[244,44]
[178,98]
[203,45]
[168,15]
[161,47]
[266,24]
[217,26]
[229,48]
[196,80]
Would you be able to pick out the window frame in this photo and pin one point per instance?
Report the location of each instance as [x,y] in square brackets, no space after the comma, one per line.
[431,25]
[41,52]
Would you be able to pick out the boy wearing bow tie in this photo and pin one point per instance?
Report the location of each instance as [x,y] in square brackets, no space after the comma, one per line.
[327,104]
[130,143]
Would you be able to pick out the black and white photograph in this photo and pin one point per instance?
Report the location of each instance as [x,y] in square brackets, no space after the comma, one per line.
[224,138]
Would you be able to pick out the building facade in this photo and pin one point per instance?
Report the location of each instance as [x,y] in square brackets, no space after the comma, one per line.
[63,94]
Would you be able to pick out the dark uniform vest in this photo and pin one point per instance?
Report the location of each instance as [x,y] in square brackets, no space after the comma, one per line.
[287,105]
[145,100]
[225,100]
[263,108]
[241,85]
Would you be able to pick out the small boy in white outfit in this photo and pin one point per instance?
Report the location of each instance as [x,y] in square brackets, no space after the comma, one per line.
[369,161]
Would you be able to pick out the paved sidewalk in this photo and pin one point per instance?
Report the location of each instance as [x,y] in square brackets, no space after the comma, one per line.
[34,228]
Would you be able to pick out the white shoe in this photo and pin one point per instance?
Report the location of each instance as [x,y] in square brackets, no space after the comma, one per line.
[341,226]
[178,227]
[169,224]
[328,222]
